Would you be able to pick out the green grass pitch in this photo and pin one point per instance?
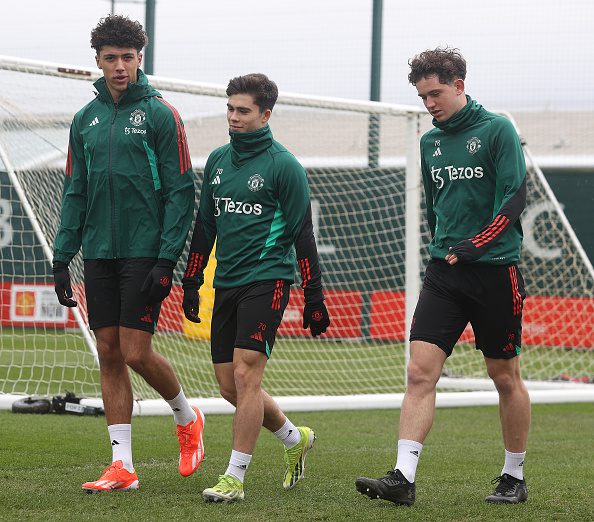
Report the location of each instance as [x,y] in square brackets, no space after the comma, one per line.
[45,458]
[51,362]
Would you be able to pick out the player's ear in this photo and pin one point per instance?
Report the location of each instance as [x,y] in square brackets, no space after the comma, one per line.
[459,84]
[266,115]
[97,60]
[139,59]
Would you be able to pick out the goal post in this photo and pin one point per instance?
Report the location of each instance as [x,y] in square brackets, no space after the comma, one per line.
[371,236]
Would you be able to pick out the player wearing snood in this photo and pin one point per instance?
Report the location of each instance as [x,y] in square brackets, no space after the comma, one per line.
[255,202]
[474,177]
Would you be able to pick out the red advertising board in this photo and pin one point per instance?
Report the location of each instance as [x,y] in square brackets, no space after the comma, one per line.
[345,315]
[547,321]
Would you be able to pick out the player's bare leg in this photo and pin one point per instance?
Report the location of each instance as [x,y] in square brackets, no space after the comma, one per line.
[116,388]
[150,365]
[248,369]
[297,440]
[416,418]
[274,418]
[514,413]
[418,406]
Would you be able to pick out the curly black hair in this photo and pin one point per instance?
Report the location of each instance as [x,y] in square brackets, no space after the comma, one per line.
[118,31]
[263,89]
[446,63]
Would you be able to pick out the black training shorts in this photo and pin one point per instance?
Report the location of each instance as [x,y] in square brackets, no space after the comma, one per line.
[247,317]
[112,288]
[490,297]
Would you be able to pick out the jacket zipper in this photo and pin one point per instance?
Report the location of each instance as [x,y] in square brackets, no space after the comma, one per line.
[111,192]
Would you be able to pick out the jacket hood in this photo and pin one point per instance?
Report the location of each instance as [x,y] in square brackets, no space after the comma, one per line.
[137,90]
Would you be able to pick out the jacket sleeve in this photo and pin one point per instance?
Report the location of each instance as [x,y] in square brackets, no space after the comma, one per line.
[510,193]
[74,200]
[177,180]
[203,236]
[428,189]
[293,195]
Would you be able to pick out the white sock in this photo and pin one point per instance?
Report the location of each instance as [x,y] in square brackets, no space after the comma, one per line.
[182,411]
[514,464]
[120,436]
[409,452]
[289,435]
[238,465]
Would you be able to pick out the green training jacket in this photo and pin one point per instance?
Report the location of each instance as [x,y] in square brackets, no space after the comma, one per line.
[474,175]
[254,199]
[129,187]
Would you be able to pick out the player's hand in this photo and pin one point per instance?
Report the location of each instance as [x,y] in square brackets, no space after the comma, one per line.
[62,284]
[450,258]
[158,282]
[191,303]
[315,316]
[463,252]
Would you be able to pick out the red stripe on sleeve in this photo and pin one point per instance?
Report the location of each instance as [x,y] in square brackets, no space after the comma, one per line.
[183,151]
[491,232]
[69,162]
[195,263]
[304,268]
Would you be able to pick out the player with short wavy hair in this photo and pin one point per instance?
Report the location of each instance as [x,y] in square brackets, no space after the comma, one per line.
[128,201]
[255,202]
[474,175]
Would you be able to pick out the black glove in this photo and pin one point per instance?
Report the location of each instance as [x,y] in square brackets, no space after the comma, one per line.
[158,282]
[191,302]
[62,284]
[466,251]
[315,316]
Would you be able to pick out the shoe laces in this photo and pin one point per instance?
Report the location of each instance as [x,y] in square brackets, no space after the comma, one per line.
[294,452]
[111,469]
[506,484]
[392,478]
[228,482]
[184,434]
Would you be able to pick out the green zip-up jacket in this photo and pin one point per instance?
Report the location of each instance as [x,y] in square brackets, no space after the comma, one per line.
[255,201]
[474,175]
[129,188]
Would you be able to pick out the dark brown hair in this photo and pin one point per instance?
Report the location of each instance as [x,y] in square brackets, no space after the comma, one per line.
[447,64]
[259,86]
[118,31]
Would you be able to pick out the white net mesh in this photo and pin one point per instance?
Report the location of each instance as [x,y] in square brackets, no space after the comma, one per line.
[359,220]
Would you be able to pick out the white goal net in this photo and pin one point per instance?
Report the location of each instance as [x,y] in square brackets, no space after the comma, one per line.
[362,163]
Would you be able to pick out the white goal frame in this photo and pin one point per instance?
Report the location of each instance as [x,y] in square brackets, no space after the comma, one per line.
[539,391]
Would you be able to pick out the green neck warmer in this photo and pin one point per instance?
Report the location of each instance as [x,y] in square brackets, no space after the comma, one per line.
[465,117]
[247,145]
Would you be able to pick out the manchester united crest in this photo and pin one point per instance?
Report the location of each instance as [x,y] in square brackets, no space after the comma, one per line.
[255,183]
[137,117]
[473,145]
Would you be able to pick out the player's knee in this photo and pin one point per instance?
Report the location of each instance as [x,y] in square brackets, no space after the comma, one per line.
[108,355]
[136,361]
[505,382]
[245,379]
[419,377]
[230,395]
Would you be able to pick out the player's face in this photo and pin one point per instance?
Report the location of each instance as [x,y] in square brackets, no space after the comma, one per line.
[442,100]
[120,67]
[243,115]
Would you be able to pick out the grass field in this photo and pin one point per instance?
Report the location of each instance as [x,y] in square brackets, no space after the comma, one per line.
[51,362]
[45,458]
